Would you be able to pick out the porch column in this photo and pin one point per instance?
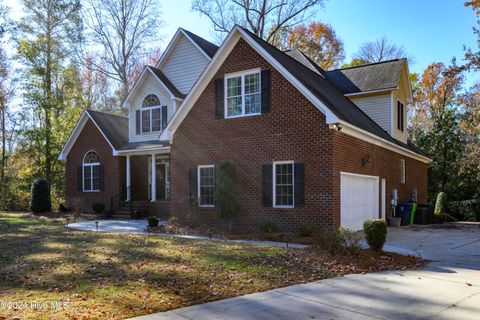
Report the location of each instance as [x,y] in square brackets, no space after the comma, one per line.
[128,179]
[154,179]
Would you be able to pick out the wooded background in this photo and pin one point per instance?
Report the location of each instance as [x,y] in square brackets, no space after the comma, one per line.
[72,55]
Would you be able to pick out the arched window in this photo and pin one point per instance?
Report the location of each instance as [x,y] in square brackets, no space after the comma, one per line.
[92,172]
[151,101]
[151,114]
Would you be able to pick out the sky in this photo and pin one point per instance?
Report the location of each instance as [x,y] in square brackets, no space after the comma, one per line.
[429,30]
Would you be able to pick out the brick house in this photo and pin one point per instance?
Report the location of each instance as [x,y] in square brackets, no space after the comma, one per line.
[324,147]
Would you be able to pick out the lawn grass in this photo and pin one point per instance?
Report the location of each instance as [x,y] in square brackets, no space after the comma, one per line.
[114,276]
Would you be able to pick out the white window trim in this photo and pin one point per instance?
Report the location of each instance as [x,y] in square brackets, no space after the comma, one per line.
[150,109]
[403,171]
[274,171]
[241,74]
[91,165]
[198,186]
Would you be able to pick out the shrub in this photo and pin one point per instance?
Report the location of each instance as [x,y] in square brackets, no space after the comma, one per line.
[306,229]
[375,233]
[226,192]
[40,200]
[268,226]
[173,221]
[98,207]
[339,241]
[441,205]
[444,217]
[152,221]
[63,208]
[466,210]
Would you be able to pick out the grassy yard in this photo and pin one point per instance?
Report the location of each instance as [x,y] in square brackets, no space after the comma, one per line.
[111,276]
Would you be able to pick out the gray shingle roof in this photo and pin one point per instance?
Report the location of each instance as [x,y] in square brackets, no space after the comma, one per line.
[306,61]
[115,128]
[209,48]
[369,77]
[167,82]
[329,94]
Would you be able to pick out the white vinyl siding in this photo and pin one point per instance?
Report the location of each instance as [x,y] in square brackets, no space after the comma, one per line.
[184,65]
[396,133]
[376,107]
[150,85]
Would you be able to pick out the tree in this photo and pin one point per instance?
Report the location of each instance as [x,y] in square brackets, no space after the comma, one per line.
[354,63]
[473,57]
[380,50]
[470,124]
[226,197]
[316,40]
[265,18]
[47,36]
[435,128]
[124,29]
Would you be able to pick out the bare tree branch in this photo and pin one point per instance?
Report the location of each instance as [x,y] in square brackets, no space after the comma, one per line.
[263,17]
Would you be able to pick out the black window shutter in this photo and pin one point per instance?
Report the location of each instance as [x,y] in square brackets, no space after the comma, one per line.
[219,104]
[138,121]
[265,75]
[80,178]
[102,177]
[299,173]
[164,117]
[267,191]
[193,183]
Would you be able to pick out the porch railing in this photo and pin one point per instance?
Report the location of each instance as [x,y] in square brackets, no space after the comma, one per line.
[118,197]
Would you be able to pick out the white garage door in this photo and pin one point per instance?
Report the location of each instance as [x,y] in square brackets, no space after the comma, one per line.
[358,199]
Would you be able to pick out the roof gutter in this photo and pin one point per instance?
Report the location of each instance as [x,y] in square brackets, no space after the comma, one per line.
[143,151]
[361,134]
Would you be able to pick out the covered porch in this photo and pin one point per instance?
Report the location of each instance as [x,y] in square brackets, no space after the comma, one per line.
[147,179]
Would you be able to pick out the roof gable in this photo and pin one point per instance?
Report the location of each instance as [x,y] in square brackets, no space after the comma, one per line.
[319,91]
[207,48]
[113,128]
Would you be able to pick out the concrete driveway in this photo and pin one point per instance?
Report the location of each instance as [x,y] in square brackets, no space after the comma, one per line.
[449,288]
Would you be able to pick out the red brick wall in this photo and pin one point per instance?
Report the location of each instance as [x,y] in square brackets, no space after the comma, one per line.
[293,130]
[114,176]
[348,153]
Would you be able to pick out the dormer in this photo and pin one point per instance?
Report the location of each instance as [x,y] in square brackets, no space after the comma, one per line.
[185,58]
[381,90]
[160,90]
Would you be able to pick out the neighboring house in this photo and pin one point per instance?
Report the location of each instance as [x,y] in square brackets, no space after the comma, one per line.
[310,146]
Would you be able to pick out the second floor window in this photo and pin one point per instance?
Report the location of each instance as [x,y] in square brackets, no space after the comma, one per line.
[400,116]
[151,114]
[243,95]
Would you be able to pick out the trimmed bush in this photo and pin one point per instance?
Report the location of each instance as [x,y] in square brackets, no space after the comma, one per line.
[268,226]
[375,233]
[173,221]
[227,192]
[153,221]
[98,207]
[40,200]
[441,205]
[306,229]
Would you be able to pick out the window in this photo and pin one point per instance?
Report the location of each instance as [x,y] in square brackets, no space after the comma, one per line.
[91,172]
[151,114]
[242,94]
[206,186]
[400,116]
[403,170]
[283,176]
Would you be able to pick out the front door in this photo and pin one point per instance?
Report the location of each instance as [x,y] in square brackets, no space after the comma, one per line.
[161,181]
